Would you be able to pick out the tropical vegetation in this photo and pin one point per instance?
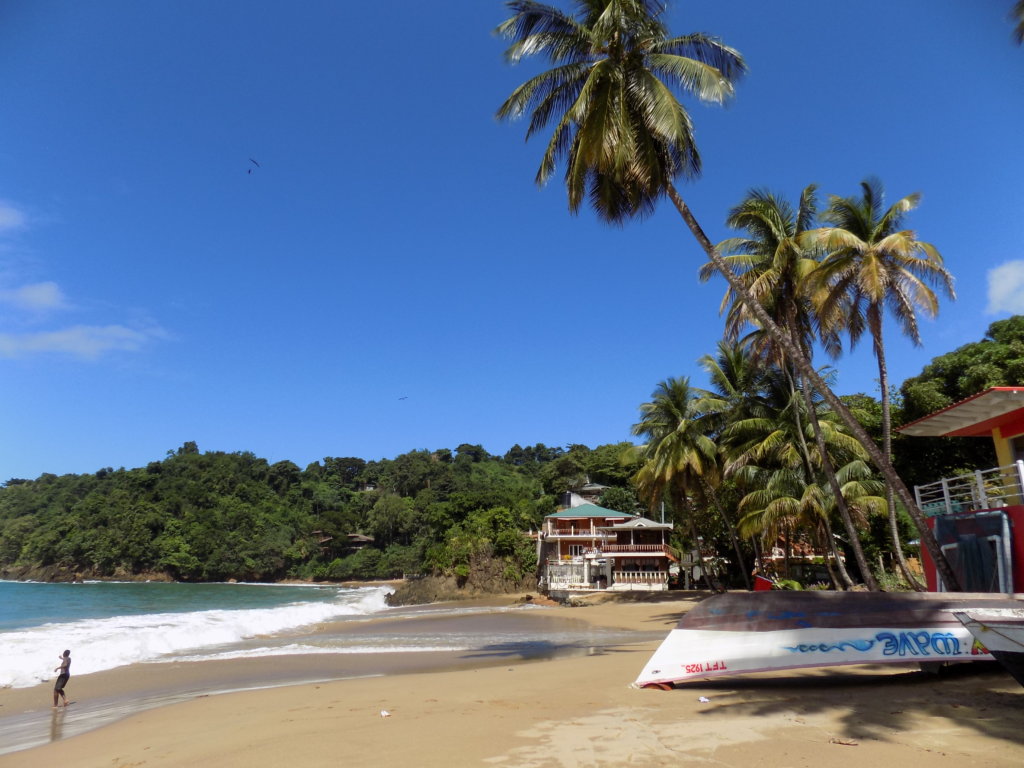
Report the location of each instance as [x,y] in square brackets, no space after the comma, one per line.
[213,516]
[734,466]
[766,458]
[613,94]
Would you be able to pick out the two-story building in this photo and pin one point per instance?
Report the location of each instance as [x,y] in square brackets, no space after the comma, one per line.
[589,548]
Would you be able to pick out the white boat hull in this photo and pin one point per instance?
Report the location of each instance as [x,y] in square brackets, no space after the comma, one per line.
[697,654]
[741,633]
[1001,633]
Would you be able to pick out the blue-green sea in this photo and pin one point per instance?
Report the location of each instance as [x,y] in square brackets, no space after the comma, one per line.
[107,625]
[110,624]
[352,632]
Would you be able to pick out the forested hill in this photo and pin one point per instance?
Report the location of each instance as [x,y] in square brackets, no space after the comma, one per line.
[216,516]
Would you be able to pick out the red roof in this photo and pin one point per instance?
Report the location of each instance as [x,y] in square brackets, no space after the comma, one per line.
[975,416]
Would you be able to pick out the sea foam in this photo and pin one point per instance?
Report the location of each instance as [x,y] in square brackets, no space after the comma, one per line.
[28,657]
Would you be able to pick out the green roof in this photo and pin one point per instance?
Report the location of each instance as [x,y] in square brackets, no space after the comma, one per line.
[590,510]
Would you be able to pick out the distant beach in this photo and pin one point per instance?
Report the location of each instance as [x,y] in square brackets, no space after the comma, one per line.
[536,698]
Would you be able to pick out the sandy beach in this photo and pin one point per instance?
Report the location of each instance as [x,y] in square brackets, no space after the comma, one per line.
[565,712]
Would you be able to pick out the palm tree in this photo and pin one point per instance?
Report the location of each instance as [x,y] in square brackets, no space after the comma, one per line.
[680,459]
[1017,14]
[875,267]
[784,496]
[625,137]
[774,264]
[750,404]
[773,444]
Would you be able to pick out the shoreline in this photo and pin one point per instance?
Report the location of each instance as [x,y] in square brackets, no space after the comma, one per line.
[106,696]
[577,710]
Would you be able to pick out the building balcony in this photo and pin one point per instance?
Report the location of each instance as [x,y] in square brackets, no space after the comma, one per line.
[577,533]
[981,489]
[649,549]
[615,550]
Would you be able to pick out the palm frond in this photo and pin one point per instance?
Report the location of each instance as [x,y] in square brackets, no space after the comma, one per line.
[537,28]
[620,128]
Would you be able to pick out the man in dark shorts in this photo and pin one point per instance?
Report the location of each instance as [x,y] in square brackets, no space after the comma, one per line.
[62,679]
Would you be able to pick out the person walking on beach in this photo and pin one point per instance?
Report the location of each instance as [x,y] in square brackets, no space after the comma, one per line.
[62,679]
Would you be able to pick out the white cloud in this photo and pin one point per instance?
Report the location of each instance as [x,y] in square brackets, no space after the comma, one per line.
[11,218]
[35,297]
[87,342]
[33,301]
[1006,288]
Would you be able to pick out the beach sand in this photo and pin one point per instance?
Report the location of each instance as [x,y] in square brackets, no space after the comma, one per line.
[566,712]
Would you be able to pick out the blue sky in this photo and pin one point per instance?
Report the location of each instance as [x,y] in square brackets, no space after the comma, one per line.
[389,277]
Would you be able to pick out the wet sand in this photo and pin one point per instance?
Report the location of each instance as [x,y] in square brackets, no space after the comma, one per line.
[515,709]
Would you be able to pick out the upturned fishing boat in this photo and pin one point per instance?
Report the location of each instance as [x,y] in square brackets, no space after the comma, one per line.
[1000,631]
[738,633]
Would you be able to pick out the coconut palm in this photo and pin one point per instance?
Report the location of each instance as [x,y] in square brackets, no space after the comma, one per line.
[752,407]
[625,137]
[773,262]
[874,267]
[680,458]
[773,265]
[776,440]
[783,497]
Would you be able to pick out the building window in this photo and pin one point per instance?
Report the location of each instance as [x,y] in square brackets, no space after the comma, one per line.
[576,550]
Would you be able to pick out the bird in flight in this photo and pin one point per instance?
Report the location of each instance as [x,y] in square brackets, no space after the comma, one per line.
[404,398]
[254,163]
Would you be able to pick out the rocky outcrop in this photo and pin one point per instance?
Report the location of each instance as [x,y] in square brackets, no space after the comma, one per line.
[487,576]
[56,573]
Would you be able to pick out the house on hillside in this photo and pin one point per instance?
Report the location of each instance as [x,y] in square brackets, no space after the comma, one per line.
[588,548]
[978,518]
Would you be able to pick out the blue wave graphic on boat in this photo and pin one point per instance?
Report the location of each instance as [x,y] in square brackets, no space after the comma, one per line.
[845,645]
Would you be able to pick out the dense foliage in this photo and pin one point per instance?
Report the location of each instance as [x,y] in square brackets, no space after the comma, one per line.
[215,516]
[995,361]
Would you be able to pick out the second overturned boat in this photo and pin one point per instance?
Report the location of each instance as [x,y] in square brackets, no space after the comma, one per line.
[1001,632]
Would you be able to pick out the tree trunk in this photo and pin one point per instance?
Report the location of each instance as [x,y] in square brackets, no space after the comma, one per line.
[829,470]
[837,492]
[883,382]
[844,575]
[827,545]
[807,371]
[710,493]
[682,502]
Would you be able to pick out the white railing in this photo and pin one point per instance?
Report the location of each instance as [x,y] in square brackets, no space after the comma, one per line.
[981,489]
[635,548]
[578,533]
[639,577]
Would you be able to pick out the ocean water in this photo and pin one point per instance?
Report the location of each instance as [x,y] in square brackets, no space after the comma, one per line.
[108,625]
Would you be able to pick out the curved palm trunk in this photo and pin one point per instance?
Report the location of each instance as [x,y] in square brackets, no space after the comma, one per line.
[682,503]
[710,493]
[829,470]
[758,554]
[711,583]
[837,492]
[883,382]
[808,372]
[844,575]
